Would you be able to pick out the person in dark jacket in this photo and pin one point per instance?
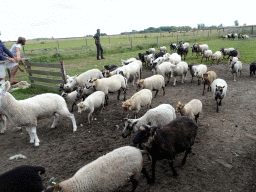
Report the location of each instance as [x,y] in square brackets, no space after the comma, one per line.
[97,43]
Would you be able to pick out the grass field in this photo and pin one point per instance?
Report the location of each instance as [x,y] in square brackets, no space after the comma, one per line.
[79,58]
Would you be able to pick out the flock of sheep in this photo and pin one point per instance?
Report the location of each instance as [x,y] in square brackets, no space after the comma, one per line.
[159,133]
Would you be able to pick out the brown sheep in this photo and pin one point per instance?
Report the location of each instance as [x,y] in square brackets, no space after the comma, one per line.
[208,78]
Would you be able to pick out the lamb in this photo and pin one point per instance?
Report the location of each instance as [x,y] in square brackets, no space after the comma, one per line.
[70,98]
[157,116]
[153,83]
[26,112]
[219,89]
[208,78]
[191,109]
[226,51]
[165,142]
[206,54]
[245,37]
[235,67]
[199,71]
[194,49]
[128,61]
[74,82]
[147,59]
[138,100]
[173,47]
[162,49]
[201,48]
[152,50]
[216,56]
[173,58]
[106,173]
[111,84]
[93,101]
[180,69]
[252,69]
[182,51]
[159,60]
[22,179]
[233,59]
[162,69]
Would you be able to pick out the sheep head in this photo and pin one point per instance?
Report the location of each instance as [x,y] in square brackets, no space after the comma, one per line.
[179,106]
[146,134]
[125,107]
[139,84]
[71,84]
[81,107]
[129,126]
[3,89]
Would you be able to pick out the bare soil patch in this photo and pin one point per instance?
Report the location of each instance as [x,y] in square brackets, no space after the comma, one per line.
[223,157]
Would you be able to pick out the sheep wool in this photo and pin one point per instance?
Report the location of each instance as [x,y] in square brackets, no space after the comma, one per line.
[138,100]
[106,173]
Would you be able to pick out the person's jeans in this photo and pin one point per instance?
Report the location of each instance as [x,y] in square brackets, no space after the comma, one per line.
[99,50]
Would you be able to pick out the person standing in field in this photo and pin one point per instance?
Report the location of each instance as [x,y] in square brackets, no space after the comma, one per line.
[4,61]
[97,43]
[14,66]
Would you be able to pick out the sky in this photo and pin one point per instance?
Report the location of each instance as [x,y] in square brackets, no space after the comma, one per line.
[77,18]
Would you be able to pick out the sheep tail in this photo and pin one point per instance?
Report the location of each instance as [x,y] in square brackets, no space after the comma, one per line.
[41,169]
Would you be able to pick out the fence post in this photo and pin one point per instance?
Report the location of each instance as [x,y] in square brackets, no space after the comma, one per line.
[252,29]
[131,43]
[194,37]
[177,39]
[30,74]
[109,40]
[57,56]
[208,34]
[157,41]
[62,68]
[86,42]
[58,45]
[23,50]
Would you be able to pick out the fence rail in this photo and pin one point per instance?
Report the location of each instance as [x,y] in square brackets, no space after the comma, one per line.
[60,74]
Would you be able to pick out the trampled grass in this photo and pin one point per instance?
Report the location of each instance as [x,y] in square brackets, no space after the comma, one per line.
[79,58]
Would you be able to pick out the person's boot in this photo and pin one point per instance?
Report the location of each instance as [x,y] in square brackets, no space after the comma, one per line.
[98,58]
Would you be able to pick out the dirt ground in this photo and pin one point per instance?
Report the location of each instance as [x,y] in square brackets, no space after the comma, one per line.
[223,157]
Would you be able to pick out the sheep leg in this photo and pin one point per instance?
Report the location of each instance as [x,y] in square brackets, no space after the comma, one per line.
[73,106]
[124,92]
[196,117]
[33,132]
[106,100]
[32,140]
[172,168]
[119,91]
[217,107]
[102,108]
[220,102]
[153,166]
[174,83]
[156,93]
[145,173]
[89,118]
[204,88]
[163,90]
[3,118]
[134,183]
[56,117]
[185,157]
[72,117]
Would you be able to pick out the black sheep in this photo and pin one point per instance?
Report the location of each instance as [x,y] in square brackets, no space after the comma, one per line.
[165,142]
[110,68]
[22,179]
[252,69]
[233,53]
[160,54]
[182,51]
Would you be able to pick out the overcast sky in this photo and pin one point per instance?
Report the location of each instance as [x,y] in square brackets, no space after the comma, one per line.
[77,18]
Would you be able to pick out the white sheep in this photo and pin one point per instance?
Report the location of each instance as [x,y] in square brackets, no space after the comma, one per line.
[219,89]
[159,60]
[106,173]
[245,36]
[157,116]
[173,58]
[152,50]
[81,80]
[111,84]
[235,67]
[199,71]
[162,49]
[201,48]
[180,69]
[216,56]
[26,112]
[162,69]
[70,98]
[93,101]
[232,59]
[138,100]
[126,62]
[153,83]
[191,109]
[148,59]
[206,54]
[185,45]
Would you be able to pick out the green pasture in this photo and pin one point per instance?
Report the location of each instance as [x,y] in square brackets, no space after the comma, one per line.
[79,57]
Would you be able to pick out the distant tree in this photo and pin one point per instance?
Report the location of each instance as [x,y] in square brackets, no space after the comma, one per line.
[201,26]
[236,23]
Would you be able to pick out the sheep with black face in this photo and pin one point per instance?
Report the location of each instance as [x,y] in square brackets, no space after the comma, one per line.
[219,89]
[167,141]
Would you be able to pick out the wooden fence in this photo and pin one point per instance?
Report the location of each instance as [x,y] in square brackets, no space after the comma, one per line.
[37,74]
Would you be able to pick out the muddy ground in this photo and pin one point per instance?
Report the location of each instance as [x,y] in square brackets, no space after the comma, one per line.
[223,157]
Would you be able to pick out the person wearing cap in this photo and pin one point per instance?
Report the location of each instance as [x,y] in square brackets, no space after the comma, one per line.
[4,60]
[97,43]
